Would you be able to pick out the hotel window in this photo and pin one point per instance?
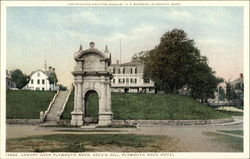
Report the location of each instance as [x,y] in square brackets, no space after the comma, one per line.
[32,81]
[43,81]
[38,81]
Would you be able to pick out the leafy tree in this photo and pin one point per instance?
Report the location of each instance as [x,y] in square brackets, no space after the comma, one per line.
[176,62]
[53,78]
[62,88]
[139,57]
[221,93]
[19,78]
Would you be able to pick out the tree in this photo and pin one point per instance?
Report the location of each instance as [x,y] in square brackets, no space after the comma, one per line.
[221,93]
[53,78]
[139,57]
[176,62]
[19,78]
[62,88]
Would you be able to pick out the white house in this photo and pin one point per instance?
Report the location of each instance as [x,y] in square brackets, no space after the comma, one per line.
[39,80]
[128,77]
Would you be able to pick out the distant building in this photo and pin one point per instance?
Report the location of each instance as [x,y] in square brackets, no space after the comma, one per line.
[128,77]
[39,80]
[237,85]
[10,84]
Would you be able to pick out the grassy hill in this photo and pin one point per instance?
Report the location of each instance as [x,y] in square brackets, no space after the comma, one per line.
[23,104]
[150,106]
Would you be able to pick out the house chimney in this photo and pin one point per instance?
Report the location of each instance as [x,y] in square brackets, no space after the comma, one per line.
[241,75]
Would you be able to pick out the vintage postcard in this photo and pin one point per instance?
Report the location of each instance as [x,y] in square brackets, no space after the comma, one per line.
[124,79]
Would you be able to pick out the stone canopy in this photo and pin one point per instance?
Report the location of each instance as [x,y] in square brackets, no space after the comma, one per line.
[91,74]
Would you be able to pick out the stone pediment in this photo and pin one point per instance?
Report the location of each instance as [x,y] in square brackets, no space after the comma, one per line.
[80,55]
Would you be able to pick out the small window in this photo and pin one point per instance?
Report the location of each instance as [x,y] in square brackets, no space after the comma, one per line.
[38,81]
[135,70]
[43,88]
[123,70]
[113,70]
[131,71]
[43,81]
[135,80]
[38,74]
[32,81]
[113,80]
[123,80]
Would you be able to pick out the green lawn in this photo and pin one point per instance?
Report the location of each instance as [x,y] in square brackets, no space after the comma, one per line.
[150,106]
[236,143]
[24,104]
[75,142]
[234,132]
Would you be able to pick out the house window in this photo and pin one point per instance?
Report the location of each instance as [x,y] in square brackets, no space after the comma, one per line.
[38,74]
[135,70]
[131,80]
[131,70]
[135,80]
[113,80]
[123,70]
[113,70]
[123,80]
[38,81]
[43,88]
[43,81]
[32,81]
[119,71]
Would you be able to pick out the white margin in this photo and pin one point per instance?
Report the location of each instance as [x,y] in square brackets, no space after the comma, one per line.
[245,4]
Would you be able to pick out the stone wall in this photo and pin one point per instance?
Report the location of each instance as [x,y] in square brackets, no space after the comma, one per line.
[23,121]
[130,122]
[171,122]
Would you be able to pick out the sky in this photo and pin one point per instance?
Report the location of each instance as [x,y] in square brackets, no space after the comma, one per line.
[54,34]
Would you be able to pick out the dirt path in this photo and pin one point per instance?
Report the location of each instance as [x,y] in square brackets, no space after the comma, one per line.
[191,138]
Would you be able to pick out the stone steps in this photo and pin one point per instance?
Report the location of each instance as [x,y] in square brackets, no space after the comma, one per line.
[56,106]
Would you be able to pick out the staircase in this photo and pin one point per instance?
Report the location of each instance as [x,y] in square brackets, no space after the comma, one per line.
[57,106]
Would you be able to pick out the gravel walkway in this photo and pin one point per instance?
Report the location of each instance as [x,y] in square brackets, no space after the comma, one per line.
[192,138]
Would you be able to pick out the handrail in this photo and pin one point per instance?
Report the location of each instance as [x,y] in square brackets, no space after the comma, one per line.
[50,104]
[65,102]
